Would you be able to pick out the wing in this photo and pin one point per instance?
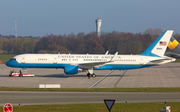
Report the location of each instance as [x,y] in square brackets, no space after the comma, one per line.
[96,64]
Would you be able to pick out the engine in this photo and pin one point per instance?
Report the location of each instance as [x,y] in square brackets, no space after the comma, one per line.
[72,69]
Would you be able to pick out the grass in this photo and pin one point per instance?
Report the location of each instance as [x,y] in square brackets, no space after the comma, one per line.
[173,89]
[118,107]
[5,57]
[177,61]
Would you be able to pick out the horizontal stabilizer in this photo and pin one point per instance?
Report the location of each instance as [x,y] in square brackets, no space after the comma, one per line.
[162,60]
[159,60]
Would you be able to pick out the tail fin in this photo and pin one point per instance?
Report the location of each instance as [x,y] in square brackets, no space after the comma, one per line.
[158,47]
[173,48]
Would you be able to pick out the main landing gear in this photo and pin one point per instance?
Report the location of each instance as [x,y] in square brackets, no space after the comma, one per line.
[91,75]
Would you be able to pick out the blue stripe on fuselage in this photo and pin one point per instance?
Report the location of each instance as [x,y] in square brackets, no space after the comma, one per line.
[121,67]
[11,63]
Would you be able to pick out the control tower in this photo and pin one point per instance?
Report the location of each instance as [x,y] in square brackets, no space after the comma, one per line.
[98,25]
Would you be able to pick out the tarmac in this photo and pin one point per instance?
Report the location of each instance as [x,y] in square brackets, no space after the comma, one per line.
[167,75]
[57,97]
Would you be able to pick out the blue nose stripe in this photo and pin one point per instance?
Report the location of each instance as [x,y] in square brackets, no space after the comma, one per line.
[11,63]
[8,63]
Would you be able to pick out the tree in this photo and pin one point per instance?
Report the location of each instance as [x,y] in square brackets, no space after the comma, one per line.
[98,45]
[156,31]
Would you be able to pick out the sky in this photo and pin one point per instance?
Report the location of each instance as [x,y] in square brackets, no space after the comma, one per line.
[58,17]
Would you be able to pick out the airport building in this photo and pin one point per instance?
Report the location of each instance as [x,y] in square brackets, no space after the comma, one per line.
[98,25]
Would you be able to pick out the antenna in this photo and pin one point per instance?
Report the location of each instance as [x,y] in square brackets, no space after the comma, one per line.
[47,33]
[15,29]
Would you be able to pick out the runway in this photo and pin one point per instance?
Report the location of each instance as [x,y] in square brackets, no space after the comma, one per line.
[158,76]
[44,97]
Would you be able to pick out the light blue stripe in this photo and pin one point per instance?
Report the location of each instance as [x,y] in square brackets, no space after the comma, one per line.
[11,63]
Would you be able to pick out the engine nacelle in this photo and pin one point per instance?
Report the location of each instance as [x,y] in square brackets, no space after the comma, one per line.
[71,69]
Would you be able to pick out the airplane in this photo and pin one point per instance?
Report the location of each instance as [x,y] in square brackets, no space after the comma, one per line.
[173,49]
[75,63]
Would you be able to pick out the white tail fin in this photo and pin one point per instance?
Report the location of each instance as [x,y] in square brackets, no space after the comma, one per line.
[158,47]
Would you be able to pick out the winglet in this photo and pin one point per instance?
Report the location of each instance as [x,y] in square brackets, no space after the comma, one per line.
[106,52]
[114,57]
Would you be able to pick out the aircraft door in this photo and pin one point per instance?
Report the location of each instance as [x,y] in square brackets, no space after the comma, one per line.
[23,60]
[55,61]
[141,61]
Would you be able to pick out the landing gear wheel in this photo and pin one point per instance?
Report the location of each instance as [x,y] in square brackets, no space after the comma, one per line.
[91,75]
[94,75]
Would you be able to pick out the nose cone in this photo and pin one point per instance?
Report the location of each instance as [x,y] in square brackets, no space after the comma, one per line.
[10,63]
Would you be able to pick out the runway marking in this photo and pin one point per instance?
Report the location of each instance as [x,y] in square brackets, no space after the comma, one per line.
[101,79]
[120,78]
[158,77]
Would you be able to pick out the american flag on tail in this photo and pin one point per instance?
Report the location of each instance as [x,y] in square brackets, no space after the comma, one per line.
[162,43]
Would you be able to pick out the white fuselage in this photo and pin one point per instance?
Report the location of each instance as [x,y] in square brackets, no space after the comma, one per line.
[61,60]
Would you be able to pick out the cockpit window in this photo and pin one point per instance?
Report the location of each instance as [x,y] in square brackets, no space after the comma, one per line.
[13,59]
